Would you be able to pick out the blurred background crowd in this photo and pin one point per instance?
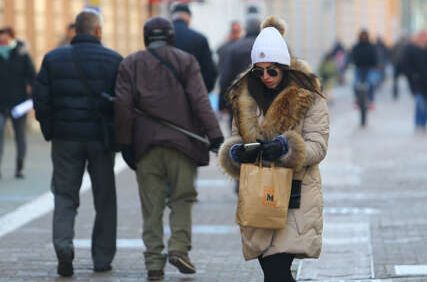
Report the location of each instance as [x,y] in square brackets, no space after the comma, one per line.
[322,32]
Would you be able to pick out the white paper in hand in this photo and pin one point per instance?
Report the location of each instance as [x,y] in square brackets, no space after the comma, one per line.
[21,109]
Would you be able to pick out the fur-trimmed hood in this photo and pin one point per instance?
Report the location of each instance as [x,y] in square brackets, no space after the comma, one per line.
[282,118]
[284,114]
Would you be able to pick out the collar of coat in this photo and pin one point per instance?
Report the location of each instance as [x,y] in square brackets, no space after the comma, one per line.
[285,112]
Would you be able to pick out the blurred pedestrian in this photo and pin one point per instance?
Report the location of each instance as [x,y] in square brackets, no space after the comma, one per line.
[16,78]
[153,143]
[414,65]
[340,56]
[236,61]
[383,56]
[278,102]
[234,35]
[70,32]
[365,59]
[328,74]
[194,43]
[73,94]
[396,55]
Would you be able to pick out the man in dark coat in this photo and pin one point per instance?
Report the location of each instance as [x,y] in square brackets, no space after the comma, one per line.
[233,36]
[164,85]
[237,59]
[16,78]
[414,66]
[73,112]
[194,43]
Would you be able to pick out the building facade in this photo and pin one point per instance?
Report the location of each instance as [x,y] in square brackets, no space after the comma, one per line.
[414,15]
[42,23]
[314,26]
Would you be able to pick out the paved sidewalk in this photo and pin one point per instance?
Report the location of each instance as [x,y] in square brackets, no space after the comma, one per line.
[37,170]
[375,225]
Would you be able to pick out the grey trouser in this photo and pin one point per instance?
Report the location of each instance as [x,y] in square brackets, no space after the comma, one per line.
[158,169]
[69,162]
[19,128]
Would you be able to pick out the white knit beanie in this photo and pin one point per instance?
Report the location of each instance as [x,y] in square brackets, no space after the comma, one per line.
[270,46]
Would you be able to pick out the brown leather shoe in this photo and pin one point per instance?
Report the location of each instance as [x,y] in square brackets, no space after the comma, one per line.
[182,262]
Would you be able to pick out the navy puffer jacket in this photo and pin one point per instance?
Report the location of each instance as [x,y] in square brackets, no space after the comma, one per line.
[62,106]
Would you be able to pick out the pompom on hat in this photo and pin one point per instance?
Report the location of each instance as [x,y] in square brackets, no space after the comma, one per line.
[270,46]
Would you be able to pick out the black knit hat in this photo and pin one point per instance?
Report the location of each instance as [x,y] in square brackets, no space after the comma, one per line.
[158,29]
[181,8]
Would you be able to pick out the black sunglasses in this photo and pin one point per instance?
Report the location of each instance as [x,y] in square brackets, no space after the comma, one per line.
[259,72]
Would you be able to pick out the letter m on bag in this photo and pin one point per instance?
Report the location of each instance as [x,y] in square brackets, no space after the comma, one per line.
[268,199]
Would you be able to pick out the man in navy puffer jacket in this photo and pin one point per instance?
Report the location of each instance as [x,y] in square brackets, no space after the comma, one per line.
[79,121]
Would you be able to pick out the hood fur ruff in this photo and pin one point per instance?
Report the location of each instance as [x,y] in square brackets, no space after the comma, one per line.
[286,111]
[283,117]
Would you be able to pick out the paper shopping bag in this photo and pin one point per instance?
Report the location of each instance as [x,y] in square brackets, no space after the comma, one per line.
[264,194]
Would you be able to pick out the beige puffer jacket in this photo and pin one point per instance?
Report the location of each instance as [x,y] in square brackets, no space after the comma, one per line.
[301,116]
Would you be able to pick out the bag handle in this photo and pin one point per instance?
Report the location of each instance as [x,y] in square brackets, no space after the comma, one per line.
[172,69]
[163,121]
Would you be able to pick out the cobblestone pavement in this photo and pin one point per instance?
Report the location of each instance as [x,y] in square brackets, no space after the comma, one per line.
[375,225]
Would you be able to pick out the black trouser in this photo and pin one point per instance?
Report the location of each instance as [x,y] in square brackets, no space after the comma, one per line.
[19,128]
[69,163]
[277,268]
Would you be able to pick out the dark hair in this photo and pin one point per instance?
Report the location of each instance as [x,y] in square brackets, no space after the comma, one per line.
[71,26]
[87,21]
[364,36]
[302,79]
[8,30]
[181,8]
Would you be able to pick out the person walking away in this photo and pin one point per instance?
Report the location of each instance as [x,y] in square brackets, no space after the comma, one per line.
[74,113]
[194,43]
[396,61]
[365,59]
[414,66]
[236,61]
[70,32]
[278,103]
[148,83]
[328,73]
[234,35]
[340,56]
[17,75]
[383,55]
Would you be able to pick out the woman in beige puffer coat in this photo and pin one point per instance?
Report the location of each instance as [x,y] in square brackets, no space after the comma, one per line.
[279,101]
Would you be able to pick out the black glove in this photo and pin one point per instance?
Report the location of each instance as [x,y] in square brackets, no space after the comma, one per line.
[242,155]
[215,144]
[128,156]
[273,150]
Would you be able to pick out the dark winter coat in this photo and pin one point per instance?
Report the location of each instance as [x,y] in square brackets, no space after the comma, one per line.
[414,65]
[237,60]
[197,45]
[147,85]
[364,55]
[16,73]
[62,106]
